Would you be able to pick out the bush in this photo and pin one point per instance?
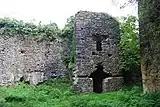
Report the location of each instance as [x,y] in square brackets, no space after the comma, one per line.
[13,27]
[129,44]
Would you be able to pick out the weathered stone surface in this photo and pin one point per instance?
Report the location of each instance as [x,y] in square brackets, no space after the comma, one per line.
[112,83]
[35,77]
[89,25]
[97,38]
[83,84]
[149,13]
[32,60]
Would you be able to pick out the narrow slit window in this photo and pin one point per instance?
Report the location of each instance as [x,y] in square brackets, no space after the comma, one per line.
[99,46]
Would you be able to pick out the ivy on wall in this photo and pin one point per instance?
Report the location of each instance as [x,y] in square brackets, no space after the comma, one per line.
[68,33]
[129,43]
[13,27]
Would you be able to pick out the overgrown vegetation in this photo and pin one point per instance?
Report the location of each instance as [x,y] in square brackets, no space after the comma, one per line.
[13,27]
[68,35]
[58,93]
[129,44]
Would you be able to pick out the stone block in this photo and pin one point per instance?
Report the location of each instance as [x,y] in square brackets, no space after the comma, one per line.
[82,84]
[112,83]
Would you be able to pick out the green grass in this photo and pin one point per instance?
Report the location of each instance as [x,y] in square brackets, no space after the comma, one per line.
[58,93]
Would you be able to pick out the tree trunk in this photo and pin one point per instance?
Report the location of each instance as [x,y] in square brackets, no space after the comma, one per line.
[149,22]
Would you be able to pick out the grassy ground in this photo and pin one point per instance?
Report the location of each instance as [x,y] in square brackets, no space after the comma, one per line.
[58,93]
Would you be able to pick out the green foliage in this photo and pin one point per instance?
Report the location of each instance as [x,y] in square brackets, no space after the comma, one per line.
[13,27]
[129,44]
[68,34]
[58,93]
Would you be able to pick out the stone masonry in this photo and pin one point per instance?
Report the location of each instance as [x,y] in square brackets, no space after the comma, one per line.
[29,60]
[97,59]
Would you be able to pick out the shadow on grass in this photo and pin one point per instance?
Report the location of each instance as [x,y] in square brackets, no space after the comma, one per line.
[14,99]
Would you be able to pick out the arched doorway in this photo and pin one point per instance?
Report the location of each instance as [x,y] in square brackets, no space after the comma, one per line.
[98,75]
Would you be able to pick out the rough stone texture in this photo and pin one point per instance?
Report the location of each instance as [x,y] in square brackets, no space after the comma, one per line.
[83,84]
[93,29]
[149,13]
[112,83]
[28,59]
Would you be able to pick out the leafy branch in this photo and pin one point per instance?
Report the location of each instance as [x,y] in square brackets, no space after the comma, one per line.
[13,27]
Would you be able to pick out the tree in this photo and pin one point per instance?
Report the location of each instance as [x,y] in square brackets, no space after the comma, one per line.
[125,4]
[129,48]
[149,23]
[129,43]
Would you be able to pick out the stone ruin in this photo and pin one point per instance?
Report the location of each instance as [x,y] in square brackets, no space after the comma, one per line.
[29,60]
[97,59]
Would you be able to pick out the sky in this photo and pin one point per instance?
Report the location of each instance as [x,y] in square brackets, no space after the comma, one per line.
[59,10]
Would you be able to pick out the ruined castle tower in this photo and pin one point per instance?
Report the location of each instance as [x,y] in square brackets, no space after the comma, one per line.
[97,59]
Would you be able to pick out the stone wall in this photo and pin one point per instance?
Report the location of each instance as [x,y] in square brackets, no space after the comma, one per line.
[112,83]
[29,60]
[97,37]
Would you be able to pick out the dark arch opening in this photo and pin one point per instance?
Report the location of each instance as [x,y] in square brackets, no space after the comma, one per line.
[98,75]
